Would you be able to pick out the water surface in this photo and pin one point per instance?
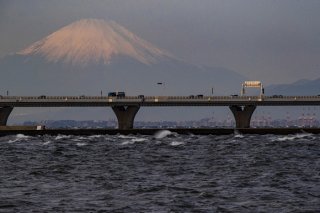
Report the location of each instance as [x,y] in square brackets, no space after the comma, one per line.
[162,173]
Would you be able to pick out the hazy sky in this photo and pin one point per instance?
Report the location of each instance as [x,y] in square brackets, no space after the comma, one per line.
[273,41]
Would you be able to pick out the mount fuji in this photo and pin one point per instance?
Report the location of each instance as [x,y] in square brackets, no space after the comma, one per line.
[91,55]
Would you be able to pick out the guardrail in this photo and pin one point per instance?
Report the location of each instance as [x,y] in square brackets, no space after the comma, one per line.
[156,97]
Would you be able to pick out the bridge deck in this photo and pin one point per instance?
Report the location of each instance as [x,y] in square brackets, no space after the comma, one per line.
[154,101]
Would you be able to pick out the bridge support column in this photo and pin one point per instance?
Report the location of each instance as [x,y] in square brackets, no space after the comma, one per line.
[242,115]
[4,114]
[125,115]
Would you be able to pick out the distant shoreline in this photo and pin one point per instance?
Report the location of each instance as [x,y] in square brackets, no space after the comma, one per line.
[184,131]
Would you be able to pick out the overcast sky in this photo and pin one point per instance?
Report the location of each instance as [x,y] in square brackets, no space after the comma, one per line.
[275,41]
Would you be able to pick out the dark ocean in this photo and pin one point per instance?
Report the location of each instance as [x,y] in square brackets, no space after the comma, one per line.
[161,173]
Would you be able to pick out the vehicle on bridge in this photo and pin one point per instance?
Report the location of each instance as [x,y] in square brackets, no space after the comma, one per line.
[141,97]
[121,94]
[117,94]
[277,96]
[112,94]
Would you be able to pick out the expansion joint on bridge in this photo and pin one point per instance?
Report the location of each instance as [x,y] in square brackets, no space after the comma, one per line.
[4,114]
[125,115]
[242,115]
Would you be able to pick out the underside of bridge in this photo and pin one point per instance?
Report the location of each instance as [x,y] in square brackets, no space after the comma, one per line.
[4,114]
[125,115]
[242,115]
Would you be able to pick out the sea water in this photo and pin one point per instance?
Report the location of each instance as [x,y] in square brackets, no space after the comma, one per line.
[166,172]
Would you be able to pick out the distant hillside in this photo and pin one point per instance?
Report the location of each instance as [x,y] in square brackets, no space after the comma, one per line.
[301,87]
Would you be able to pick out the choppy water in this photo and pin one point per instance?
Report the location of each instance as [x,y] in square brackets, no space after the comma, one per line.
[163,173]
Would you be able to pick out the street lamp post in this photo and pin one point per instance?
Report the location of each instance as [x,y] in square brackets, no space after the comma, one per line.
[163,84]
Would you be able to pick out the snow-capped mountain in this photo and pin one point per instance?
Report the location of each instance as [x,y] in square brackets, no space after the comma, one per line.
[90,41]
[91,55]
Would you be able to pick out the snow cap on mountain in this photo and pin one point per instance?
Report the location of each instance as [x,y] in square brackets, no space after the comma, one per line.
[94,40]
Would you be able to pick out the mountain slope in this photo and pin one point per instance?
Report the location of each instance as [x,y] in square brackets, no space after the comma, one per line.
[301,87]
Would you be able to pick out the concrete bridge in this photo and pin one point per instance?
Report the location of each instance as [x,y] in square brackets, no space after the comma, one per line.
[127,107]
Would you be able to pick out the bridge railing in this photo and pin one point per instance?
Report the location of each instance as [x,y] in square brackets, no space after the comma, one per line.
[159,98]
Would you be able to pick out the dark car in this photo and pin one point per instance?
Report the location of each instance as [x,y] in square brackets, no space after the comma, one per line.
[199,96]
[82,96]
[234,95]
[277,96]
[121,94]
[42,97]
[141,97]
[112,94]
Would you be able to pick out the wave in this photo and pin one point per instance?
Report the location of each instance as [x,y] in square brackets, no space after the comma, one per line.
[162,134]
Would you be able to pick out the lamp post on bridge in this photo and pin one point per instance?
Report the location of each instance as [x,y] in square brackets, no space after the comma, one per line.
[162,84]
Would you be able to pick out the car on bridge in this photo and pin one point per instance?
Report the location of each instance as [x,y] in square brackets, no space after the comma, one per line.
[112,94]
[42,97]
[277,96]
[117,94]
[141,97]
[121,94]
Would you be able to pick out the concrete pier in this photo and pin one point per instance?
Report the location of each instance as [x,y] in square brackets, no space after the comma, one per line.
[4,114]
[242,115]
[125,115]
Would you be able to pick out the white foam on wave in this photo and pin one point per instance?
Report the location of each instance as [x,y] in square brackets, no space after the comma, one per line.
[46,143]
[80,138]
[162,134]
[285,138]
[305,135]
[238,136]
[59,137]
[138,139]
[133,141]
[294,137]
[177,143]
[13,141]
[81,144]
[18,137]
[125,137]
[127,143]
[22,136]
